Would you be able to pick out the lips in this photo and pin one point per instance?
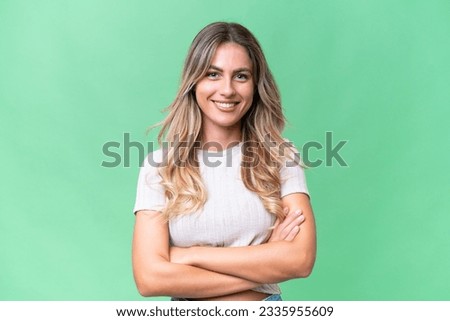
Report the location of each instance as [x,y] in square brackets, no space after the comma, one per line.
[225,104]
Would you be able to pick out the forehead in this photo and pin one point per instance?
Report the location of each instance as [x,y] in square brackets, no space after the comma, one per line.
[231,55]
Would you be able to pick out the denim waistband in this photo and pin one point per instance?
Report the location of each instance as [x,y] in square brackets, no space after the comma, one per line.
[272,297]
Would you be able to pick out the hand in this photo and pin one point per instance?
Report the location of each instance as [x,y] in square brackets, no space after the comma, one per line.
[289,228]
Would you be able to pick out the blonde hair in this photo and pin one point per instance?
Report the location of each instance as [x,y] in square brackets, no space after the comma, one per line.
[260,167]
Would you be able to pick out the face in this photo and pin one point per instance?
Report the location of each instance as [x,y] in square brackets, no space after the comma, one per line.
[225,93]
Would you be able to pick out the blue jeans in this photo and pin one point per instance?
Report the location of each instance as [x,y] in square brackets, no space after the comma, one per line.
[272,297]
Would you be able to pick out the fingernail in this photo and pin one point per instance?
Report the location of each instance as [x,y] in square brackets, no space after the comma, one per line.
[301,218]
[298,212]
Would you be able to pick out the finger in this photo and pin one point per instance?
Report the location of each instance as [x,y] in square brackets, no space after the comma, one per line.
[290,218]
[283,234]
[292,234]
[288,228]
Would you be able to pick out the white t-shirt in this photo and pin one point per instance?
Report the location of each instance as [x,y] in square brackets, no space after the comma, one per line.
[232,215]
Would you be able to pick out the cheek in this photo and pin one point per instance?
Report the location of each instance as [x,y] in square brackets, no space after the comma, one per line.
[203,91]
[249,94]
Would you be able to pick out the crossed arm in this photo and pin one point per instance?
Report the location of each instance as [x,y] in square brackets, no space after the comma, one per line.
[155,275]
[200,272]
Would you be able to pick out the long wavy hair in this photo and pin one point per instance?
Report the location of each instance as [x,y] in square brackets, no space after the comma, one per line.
[181,130]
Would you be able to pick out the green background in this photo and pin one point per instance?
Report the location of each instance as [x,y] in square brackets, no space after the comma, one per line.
[77,74]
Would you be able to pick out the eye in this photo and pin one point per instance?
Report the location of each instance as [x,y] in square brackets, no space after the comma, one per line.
[242,76]
[212,74]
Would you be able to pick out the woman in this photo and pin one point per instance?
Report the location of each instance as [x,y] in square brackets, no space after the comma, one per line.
[219,217]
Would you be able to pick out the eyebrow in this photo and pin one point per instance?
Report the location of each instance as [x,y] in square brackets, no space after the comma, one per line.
[234,71]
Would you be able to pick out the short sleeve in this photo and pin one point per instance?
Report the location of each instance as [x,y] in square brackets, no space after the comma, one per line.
[292,177]
[150,192]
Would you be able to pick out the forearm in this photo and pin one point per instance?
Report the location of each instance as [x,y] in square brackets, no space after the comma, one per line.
[156,275]
[179,280]
[265,263]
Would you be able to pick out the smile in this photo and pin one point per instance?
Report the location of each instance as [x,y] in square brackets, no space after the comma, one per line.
[225,105]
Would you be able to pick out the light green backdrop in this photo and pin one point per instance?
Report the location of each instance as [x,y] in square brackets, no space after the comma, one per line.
[77,74]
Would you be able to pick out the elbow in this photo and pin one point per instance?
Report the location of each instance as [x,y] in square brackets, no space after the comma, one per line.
[304,272]
[303,266]
[149,283]
[146,290]
[147,287]
[143,290]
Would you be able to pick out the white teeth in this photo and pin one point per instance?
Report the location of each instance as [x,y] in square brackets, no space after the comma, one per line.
[225,105]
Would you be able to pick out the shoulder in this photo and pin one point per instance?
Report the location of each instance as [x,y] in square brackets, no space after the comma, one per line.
[292,173]
[149,168]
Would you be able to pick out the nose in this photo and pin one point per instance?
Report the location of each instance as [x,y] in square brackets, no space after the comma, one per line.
[227,88]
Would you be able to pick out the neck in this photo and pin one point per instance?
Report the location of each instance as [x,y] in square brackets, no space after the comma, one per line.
[217,141]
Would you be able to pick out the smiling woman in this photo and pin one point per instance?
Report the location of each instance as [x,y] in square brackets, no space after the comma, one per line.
[227,229]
